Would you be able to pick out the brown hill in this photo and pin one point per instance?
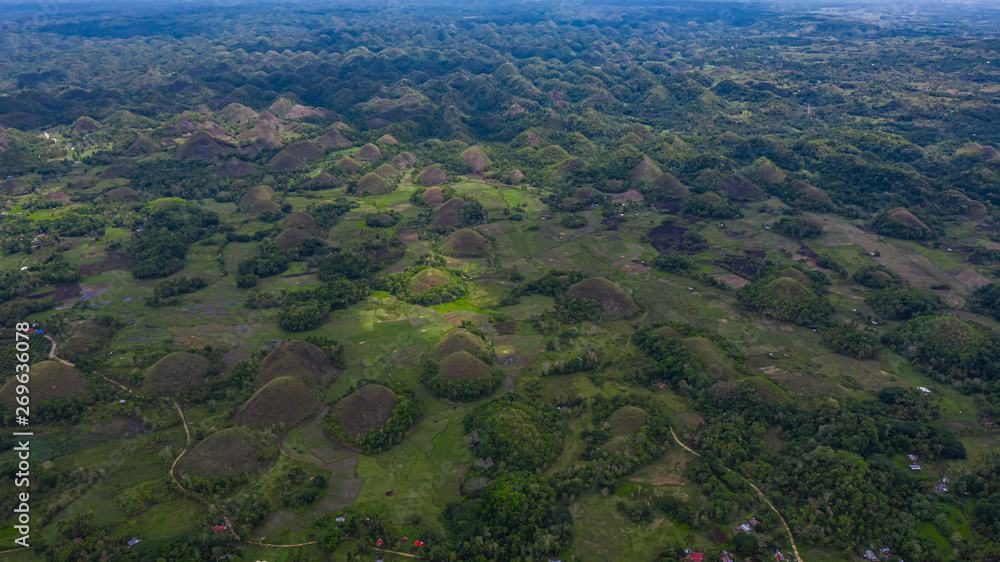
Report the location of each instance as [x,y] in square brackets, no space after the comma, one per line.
[56,196]
[115,171]
[304,150]
[458,339]
[811,196]
[50,380]
[322,181]
[261,207]
[291,238]
[348,164]
[298,219]
[333,139]
[769,173]
[431,176]
[403,160]
[448,214]
[797,275]
[645,170]
[13,186]
[120,193]
[297,358]
[84,125]
[176,372]
[373,184]
[383,220]
[462,365]
[739,188]
[387,139]
[239,114]
[954,202]
[368,153]
[268,117]
[428,278]
[283,401]
[257,193]
[475,159]
[615,302]
[902,216]
[263,132]
[141,146]
[233,168]
[367,408]
[515,176]
[284,162]
[433,196]
[670,187]
[386,171]
[229,453]
[201,146]
[464,242]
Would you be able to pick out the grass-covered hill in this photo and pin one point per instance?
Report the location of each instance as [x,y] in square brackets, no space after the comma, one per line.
[177,372]
[229,453]
[366,409]
[298,359]
[284,400]
[50,380]
[612,299]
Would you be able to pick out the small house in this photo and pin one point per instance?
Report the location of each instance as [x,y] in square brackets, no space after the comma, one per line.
[726,557]
[218,529]
[133,541]
[912,457]
[869,555]
[745,528]
[915,467]
[695,557]
[924,389]
[778,555]
[884,552]
[942,488]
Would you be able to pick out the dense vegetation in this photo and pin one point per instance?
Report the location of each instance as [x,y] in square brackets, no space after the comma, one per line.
[552,243]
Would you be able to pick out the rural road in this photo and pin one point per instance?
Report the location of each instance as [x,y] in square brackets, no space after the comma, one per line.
[229,524]
[187,432]
[52,355]
[788,530]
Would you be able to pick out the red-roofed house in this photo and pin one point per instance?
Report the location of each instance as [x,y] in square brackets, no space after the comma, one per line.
[695,557]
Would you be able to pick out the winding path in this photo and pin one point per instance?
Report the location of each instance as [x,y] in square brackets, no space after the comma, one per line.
[173,465]
[187,433]
[752,485]
[52,355]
